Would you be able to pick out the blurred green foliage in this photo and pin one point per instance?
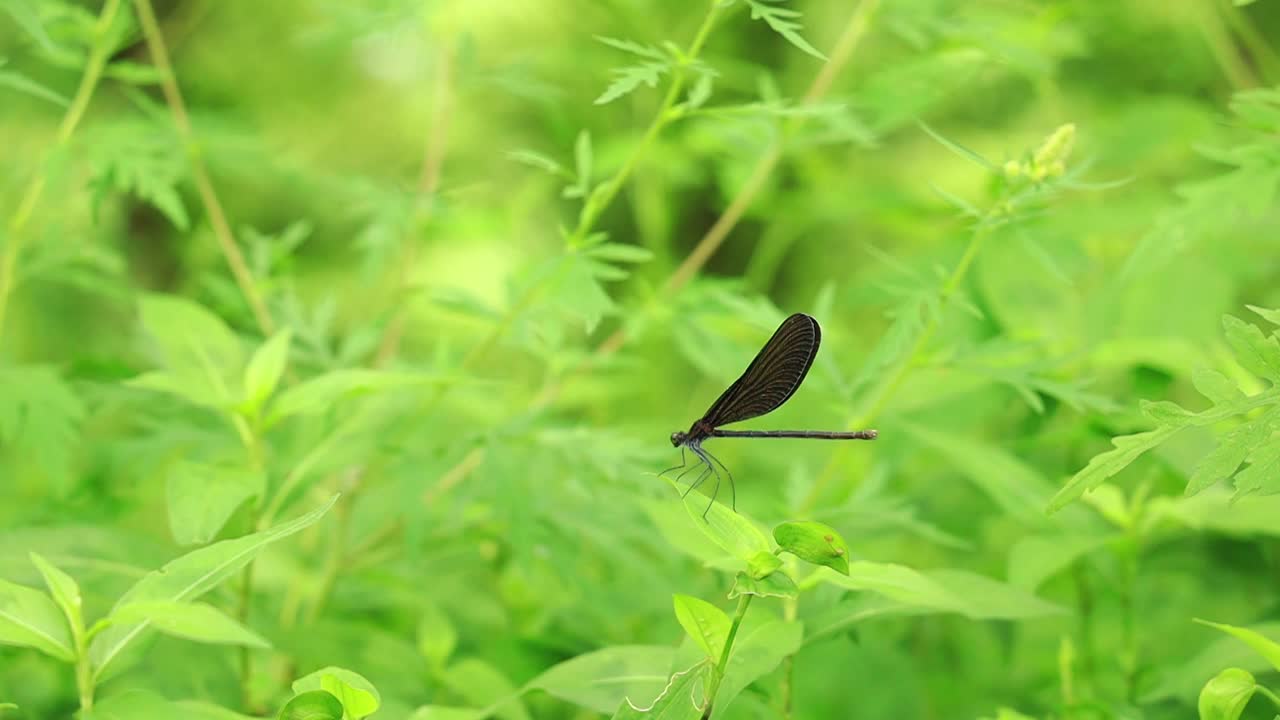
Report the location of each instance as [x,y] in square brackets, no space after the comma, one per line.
[464,266]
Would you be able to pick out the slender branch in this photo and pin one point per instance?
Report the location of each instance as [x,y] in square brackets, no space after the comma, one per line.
[97,62]
[888,385]
[199,171]
[428,184]
[707,246]
[596,204]
[718,673]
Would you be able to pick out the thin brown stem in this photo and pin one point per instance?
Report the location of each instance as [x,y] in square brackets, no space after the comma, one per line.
[199,171]
[434,150]
[17,225]
[715,236]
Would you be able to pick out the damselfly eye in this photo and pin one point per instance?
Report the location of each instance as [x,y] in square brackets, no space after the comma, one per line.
[676,437]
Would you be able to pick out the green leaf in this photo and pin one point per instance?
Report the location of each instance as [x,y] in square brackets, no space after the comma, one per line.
[190,576]
[814,543]
[436,635]
[481,684]
[677,701]
[627,46]
[24,84]
[312,705]
[619,253]
[320,393]
[959,150]
[441,712]
[1127,449]
[1263,474]
[1271,316]
[755,656]
[264,370]
[1019,489]
[773,585]
[194,621]
[732,531]
[1036,558]
[41,414]
[781,21]
[628,79]
[956,591]
[1226,694]
[358,696]
[201,498]
[599,680]
[203,357]
[65,591]
[1255,352]
[705,623]
[1234,447]
[29,618]
[1164,412]
[140,158]
[540,161]
[1261,644]
[763,564]
[1215,386]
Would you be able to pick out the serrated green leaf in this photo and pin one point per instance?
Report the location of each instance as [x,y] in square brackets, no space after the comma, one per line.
[1261,644]
[1233,448]
[628,79]
[706,624]
[627,46]
[1164,412]
[40,414]
[1127,449]
[1263,474]
[193,621]
[814,543]
[959,149]
[1226,694]
[1255,352]
[780,21]
[29,618]
[187,578]
[1215,386]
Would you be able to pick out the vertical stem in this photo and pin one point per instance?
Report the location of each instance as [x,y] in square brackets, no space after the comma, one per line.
[84,666]
[199,172]
[889,384]
[718,673]
[97,62]
[597,202]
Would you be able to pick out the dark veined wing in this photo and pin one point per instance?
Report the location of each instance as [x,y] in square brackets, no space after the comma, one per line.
[773,376]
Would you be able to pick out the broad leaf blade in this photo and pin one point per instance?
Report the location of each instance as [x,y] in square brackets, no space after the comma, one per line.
[190,576]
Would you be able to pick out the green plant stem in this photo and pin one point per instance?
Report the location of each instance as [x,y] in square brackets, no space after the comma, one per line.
[706,247]
[97,62]
[1269,695]
[890,382]
[84,666]
[1218,38]
[598,201]
[717,675]
[199,171]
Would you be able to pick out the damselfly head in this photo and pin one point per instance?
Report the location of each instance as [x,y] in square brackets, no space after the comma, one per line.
[678,438]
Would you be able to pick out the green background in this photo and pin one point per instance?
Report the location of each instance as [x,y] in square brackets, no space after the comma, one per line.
[1014,220]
